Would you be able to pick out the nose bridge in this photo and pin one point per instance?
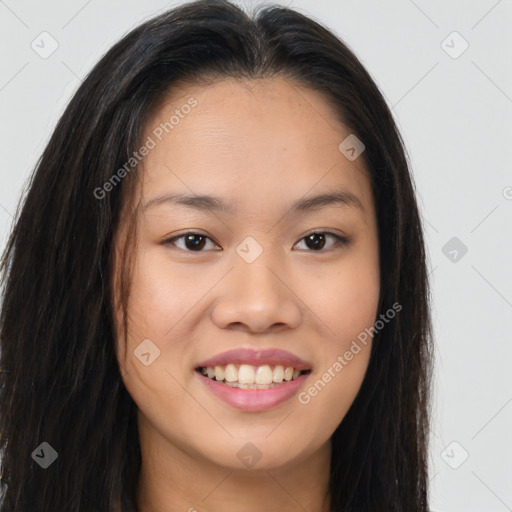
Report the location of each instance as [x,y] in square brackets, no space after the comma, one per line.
[256,280]
[253,261]
[255,285]
[252,294]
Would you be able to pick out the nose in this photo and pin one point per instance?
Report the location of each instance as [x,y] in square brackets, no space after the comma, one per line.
[256,297]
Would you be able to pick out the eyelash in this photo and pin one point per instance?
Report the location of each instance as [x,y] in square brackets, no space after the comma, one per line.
[340,241]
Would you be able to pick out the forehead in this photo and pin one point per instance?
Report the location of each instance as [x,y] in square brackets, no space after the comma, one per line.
[249,141]
[275,111]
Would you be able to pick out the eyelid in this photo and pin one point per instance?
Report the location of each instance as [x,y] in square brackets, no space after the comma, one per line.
[340,240]
[172,239]
[324,231]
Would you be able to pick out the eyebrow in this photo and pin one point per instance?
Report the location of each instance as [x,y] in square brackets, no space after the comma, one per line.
[210,203]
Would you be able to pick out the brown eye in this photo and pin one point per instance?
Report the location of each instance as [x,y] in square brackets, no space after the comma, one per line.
[194,242]
[191,242]
[317,241]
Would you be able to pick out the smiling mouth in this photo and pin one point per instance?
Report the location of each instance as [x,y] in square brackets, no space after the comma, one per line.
[248,376]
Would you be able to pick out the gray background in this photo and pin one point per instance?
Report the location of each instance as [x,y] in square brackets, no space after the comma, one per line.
[454,112]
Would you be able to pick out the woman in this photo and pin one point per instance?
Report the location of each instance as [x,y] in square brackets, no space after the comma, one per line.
[215,293]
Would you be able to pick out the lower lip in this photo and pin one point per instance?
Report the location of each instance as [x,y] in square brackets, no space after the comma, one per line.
[254,400]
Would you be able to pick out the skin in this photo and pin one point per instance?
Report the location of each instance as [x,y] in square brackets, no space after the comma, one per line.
[259,145]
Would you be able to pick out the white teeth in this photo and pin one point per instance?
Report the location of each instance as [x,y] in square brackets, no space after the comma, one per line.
[219,373]
[278,373]
[264,375]
[247,376]
[231,373]
[248,386]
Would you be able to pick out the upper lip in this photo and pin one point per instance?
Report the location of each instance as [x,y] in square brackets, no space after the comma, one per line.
[270,356]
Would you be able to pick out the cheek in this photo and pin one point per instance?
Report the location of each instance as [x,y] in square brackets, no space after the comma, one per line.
[345,297]
[154,309]
[330,395]
[158,292]
[153,312]
[346,302]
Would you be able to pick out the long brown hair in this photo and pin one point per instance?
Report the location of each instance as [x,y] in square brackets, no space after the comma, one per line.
[59,377]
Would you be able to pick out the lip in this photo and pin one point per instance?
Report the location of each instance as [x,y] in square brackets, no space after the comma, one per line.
[272,356]
[254,400]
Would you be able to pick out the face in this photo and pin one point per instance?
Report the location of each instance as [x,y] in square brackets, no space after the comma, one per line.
[263,275]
